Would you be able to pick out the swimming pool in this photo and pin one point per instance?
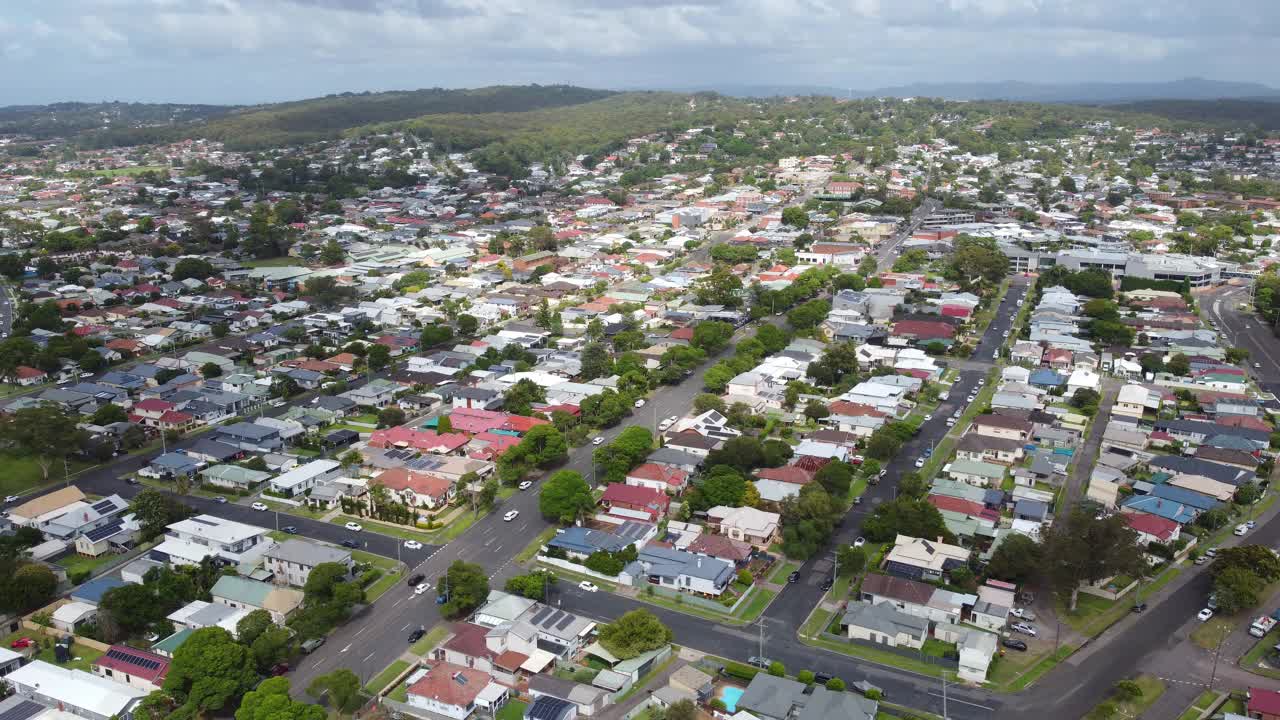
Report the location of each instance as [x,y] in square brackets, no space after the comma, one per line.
[729,695]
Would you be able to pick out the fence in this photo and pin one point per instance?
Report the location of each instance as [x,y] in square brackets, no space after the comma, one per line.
[949,663]
[698,601]
[579,569]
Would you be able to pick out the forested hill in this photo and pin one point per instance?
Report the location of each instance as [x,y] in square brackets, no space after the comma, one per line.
[328,117]
[74,118]
[1260,114]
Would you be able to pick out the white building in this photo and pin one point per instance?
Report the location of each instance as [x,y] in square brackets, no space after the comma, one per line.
[190,541]
[75,691]
[304,477]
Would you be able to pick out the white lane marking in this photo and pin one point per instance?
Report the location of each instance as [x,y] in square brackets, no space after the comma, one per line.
[348,647]
[366,659]
[406,627]
[962,702]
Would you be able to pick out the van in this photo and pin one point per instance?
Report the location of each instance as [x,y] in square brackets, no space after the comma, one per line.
[310,646]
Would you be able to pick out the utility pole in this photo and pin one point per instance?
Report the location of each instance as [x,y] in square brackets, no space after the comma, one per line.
[945,716]
[1217,653]
[761,624]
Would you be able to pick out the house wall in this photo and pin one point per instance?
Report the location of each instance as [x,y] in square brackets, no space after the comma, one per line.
[897,640]
[125,678]
[452,711]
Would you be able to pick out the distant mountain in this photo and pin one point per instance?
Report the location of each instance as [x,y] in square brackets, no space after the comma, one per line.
[1093,93]
[1261,114]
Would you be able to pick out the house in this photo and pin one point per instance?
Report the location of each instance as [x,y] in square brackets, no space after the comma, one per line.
[467,646]
[241,592]
[199,614]
[775,698]
[70,616]
[679,570]
[909,596]
[171,465]
[977,649]
[233,476]
[634,502]
[579,542]
[292,561]
[456,692]
[129,666]
[546,707]
[76,692]
[976,472]
[41,509]
[689,441]
[721,547]
[658,477]
[586,700]
[418,489]
[691,680]
[305,477]
[919,559]
[10,661]
[1002,426]
[250,437]
[988,449]
[190,541]
[758,527]
[884,624]
[1263,704]
[1153,529]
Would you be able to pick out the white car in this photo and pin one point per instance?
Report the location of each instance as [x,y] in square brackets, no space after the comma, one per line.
[1023,628]
[511,515]
[597,440]
[919,462]
[1023,614]
[587,586]
[1241,530]
[354,526]
[859,542]
[11,498]
[422,587]
[259,506]
[1204,615]
[971,398]
[664,424]
[674,419]
[640,402]
[413,544]
[525,484]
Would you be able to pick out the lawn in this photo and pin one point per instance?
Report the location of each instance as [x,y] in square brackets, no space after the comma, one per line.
[535,545]
[1252,660]
[82,657]
[1152,689]
[1009,676]
[1091,615]
[382,585]
[399,531]
[1210,634]
[76,564]
[23,473]
[379,682]
[138,170]
[367,419]
[274,262]
[1201,704]
[922,667]
[429,641]
[513,710]
[779,576]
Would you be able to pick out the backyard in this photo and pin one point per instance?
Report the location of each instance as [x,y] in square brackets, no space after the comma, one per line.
[82,656]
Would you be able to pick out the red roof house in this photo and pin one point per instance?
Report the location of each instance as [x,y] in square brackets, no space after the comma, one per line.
[129,666]
[658,477]
[632,502]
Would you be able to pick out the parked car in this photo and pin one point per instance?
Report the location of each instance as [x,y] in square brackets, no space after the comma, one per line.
[919,462]
[416,635]
[1014,644]
[597,440]
[664,425]
[1241,530]
[128,480]
[20,643]
[416,579]
[525,484]
[1138,607]
[413,544]
[827,583]
[511,515]
[1023,613]
[640,403]
[279,669]
[1023,628]
[310,646]
[259,506]
[794,577]
[1204,615]
[588,586]
[353,526]
[349,543]
[760,662]
[1201,560]
[857,460]
[865,687]
[821,678]
[220,500]
[859,542]
[1211,553]
[291,529]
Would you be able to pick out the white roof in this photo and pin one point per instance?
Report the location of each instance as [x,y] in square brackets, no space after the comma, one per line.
[76,688]
[305,473]
[216,529]
[73,611]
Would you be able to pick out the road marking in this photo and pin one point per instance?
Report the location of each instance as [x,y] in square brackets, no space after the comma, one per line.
[951,699]
[348,647]
[366,657]
[357,633]
[406,627]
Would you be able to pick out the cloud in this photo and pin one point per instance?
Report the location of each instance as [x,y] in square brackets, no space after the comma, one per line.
[259,50]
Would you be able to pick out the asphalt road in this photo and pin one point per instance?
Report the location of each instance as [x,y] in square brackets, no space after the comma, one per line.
[884,252]
[6,310]
[1244,329]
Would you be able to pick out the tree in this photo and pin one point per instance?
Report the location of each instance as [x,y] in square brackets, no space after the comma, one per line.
[627,450]
[565,496]
[108,414]
[193,268]
[271,648]
[835,684]
[835,477]
[633,633]
[332,253]
[342,686]
[905,515]
[251,626]
[1237,355]
[467,325]
[680,710]
[777,669]
[1179,365]
[209,670]
[378,357]
[464,586]
[154,510]
[807,521]
[322,581]
[435,335]
[805,677]
[1084,548]
[520,397]
[271,701]
[391,416]
[1257,559]
[1237,589]
[31,586]
[595,361]
[45,432]
[706,401]
[795,217]
[1127,690]
[717,377]
[809,315]
[816,410]
[1017,559]
[720,287]
[850,560]
[722,485]
[533,585]
[210,370]
[711,336]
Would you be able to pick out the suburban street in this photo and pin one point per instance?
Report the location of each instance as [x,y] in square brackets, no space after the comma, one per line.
[1244,329]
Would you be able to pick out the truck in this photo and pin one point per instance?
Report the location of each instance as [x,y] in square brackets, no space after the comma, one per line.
[1262,626]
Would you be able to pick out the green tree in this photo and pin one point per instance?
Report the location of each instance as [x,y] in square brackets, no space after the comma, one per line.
[467,325]
[30,587]
[633,633]
[193,269]
[253,625]
[722,485]
[835,477]
[595,361]
[627,450]
[272,647]
[1179,365]
[209,670]
[795,217]
[378,357]
[332,253]
[1017,559]
[1083,547]
[533,585]
[1237,589]
[464,586]
[341,685]
[154,510]
[210,370]
[711,336]
[850,560]
[520,397]
[391,416]
[565,496]
[271,701]
[45,432]
[777,669]
[108,414]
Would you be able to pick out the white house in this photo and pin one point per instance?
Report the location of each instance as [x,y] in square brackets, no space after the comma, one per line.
[196,538]
[305,477]
[74,691]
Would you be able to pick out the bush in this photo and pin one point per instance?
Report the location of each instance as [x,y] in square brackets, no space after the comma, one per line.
[741,671]
[79,576]
[369,577]
[805,676]
[835,685]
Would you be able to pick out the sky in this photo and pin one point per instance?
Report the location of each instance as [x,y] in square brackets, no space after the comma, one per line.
[250,51]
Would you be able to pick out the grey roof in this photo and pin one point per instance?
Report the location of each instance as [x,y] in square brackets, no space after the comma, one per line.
[309,554]
[248,430]
[884,618]
[824,704]
[772,697]
[1196,466]
[669,562]
[672,456]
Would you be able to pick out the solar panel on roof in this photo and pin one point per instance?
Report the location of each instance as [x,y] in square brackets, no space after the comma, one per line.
[538,616]
[22,711]
[552,618]
[105,531]
[105,506]
[566,622]
[132,659]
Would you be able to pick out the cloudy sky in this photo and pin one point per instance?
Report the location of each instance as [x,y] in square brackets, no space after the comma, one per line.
[245,51]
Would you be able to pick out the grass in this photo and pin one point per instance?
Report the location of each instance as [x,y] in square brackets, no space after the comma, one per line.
[513,710]
[1201,704]
[937,648]
[875,655]
[274,262]
[575,577]
[1095,615]
[82,656]
[379,682]
[1252,660]
[1233,705]
[75,564]
[1212,632]
[760,599]
[23,473]
[1152,689]
[382,585]
[535,545]
[403,533]
[459,525]
[779,576]
[366,418]
[429,641]
[138,170]
[1010,677]
[818,620]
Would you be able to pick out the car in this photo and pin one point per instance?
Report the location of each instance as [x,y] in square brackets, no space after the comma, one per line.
[279,669]
[928,417]
[640,402]
[944,396]
[951,422]
[1211,553]
[588,586]
[674,418]
[1023,628]
[311,645]
[919,462]
[353,526]
[220,500]
[597,440]
[827,583]
[291,529]
[1023,614]
[1138,607]
[857,500]
[1251,524]
[882,473]
[857,460]
[413,544]
[928,452]
[1241,530]
[1204,615]
[132,481]
[794,577]
[421,588]
[416,635]
[1014,644]
[1201,560]
[1004,334]
[259,506]
[664,424]
[1247,326]
[1257,366]
[821,678]
[865,688]
[1212,602]
[760,662]
[971,398]
[982,381]
[511,515]
[349,543]
[20,643]
[957,414]
[859,542]
[525,484]
[416,579]
[10,499]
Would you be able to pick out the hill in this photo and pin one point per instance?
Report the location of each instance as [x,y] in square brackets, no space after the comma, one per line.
[303,121]
[1260,114]
[73,118]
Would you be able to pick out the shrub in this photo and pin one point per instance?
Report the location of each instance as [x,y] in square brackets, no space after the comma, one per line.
[369,577]
[741,671]
[805,676]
